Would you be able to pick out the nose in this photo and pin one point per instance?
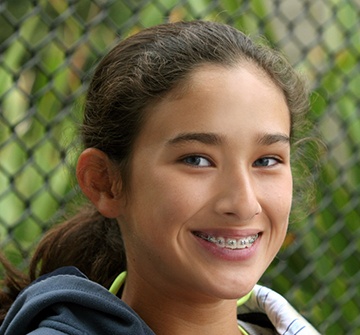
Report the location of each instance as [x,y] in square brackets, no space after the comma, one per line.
[237,197]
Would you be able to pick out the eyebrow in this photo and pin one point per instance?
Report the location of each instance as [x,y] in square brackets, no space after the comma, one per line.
[206,138]
[269,139]
[214,139]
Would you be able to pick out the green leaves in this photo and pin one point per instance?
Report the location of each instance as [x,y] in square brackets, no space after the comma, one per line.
[48,49]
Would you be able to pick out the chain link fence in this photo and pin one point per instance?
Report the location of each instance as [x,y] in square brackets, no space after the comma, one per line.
[47,49]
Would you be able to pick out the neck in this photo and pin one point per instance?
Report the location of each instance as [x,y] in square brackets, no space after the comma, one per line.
[177,313]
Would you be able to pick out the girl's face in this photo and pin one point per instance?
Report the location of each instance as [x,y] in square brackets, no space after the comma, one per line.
[211,186]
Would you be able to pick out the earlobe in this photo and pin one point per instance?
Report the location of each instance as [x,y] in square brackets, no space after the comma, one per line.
[100,182]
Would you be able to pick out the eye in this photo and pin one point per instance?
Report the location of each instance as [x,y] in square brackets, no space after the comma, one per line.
[266,161]
[197,161]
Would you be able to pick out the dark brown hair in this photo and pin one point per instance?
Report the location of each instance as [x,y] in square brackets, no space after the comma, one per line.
[132,77]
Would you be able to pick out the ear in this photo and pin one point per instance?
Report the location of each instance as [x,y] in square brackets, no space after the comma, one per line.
[100,182]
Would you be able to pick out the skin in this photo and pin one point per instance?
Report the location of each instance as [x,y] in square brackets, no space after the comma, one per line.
[216,160]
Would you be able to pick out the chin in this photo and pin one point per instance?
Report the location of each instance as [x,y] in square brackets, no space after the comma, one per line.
[235,288]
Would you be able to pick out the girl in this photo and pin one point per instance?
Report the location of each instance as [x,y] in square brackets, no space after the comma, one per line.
[188,129]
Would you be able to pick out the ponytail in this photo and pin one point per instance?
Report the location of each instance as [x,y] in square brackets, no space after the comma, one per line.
[11,285]
[88,241]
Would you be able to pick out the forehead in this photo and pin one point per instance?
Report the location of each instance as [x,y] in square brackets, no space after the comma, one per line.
[243,84]
[206,73]
[219,99]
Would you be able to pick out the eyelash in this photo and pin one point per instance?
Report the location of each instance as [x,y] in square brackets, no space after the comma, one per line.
[197,158]
[276,159]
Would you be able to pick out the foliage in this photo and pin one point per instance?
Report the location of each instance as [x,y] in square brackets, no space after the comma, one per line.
[44,68]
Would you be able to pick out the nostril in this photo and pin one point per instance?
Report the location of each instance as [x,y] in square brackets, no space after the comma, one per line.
[242,206]
[244,215]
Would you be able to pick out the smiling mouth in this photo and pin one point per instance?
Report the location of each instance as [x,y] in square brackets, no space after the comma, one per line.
[229,243]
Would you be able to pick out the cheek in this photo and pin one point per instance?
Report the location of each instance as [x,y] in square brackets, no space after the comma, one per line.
[161,203]
[283,207]
[283,201]
[278,200]
[175,205]
[288,193]
[158,212]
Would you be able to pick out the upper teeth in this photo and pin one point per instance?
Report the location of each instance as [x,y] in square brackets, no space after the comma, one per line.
[230,243]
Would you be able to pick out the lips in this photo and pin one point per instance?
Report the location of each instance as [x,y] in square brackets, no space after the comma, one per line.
[232,243]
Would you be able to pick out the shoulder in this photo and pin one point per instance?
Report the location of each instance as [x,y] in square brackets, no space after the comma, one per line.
[273,313]
[69,303]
